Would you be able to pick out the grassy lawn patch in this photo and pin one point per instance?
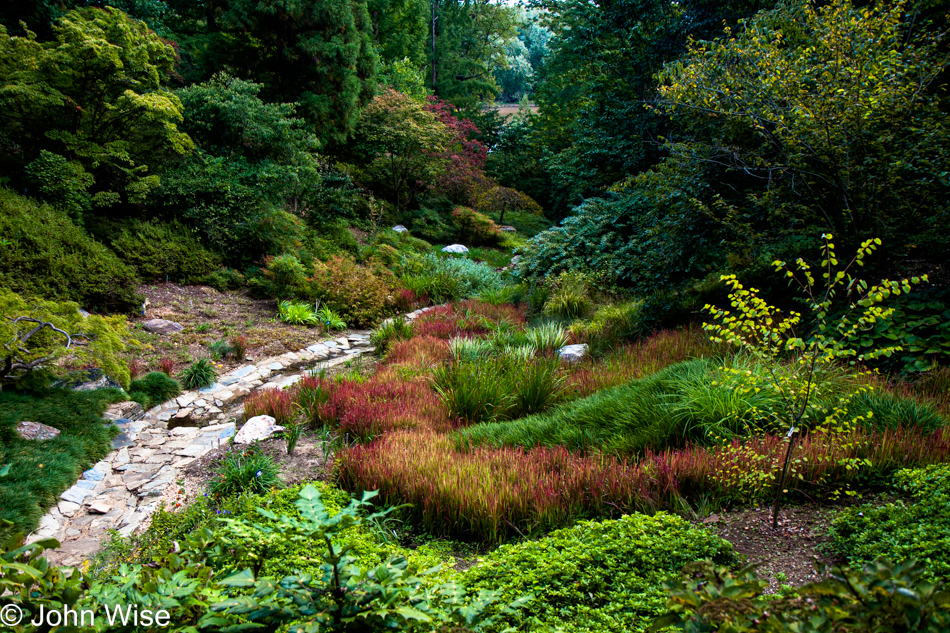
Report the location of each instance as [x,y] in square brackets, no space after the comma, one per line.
[41,471]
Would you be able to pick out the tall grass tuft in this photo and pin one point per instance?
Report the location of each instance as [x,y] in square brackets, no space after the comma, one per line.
[474,392]
[277,403]
[398,329]
[547,338]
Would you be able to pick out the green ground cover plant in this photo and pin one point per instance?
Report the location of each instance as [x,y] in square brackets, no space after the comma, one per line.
[911,528]
[199,374]
[248,470]
[41,470]
[154,388]
[597,576]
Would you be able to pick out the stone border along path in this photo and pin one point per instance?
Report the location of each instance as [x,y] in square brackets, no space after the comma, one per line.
[123,490]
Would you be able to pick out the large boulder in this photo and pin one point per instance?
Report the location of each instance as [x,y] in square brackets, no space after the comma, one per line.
[458,249]
[260,427]
[571,354]
[86,380]
[36,431]
[162,326]
[399,228]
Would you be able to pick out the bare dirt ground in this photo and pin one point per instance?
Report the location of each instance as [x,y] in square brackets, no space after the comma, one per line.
[785,555]
[209,316]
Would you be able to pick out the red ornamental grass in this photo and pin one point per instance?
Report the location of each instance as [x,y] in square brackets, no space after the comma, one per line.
[491,493]
[641,359]
[166,366]
[135,368]
[419,350]
[277,403]
[406,300]
[365,411]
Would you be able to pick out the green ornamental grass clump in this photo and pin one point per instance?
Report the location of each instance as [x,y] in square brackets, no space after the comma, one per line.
[198,375]
[250,470]
[297,313]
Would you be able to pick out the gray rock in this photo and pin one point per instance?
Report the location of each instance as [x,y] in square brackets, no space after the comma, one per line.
[94,475]
[76,494]
[162,326]
[260,427]
[571,354]
[399,228]
[87,380]
[455,248]
[36,431]
[126,410]
[98,507]
[68,508]
[122,440]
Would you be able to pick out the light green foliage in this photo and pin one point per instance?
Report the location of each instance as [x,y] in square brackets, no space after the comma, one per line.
[297,313]
[397,140]
[92,98]
[547,338]
[382,597]
[837,98]
[41,471]
[810,349]
[448,278]
[597,576]
[611,325]
[405,77]
[47,255]
[902,530]
[879,597]
[329,319]
[36,334]
[199,374]
[476,228]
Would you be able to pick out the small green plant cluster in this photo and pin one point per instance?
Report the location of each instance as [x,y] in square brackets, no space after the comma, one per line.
[598,576]
[611,325]
[154,388]
[902,530]
[447,278]
[198,375]
[475,228]
[246,471]
[881,596]
[569,296]
[297,313]
[397,329]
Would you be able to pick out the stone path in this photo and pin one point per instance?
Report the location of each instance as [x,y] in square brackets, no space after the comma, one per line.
[122,491]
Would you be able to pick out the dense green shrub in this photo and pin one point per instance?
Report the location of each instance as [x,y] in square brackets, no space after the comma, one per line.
[902,530]
[597,576]
[226,279]
[475,228]
[154,388]
[48,256]
[41,471]
[284,277]
[162,250]
[361,295]
[439,276]
[878,597]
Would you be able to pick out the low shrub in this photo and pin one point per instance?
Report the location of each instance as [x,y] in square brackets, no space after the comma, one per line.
[598,576]
[48,256]
[41,471]
[568,303]
[283,277]
[277,403]
[475,228]
[157,387]
[162,250]
[448,278]
[330,320]
[902,530]
[198,375]
[362,296]
[224,279]
[219,350]
[247,471]
[610,326]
